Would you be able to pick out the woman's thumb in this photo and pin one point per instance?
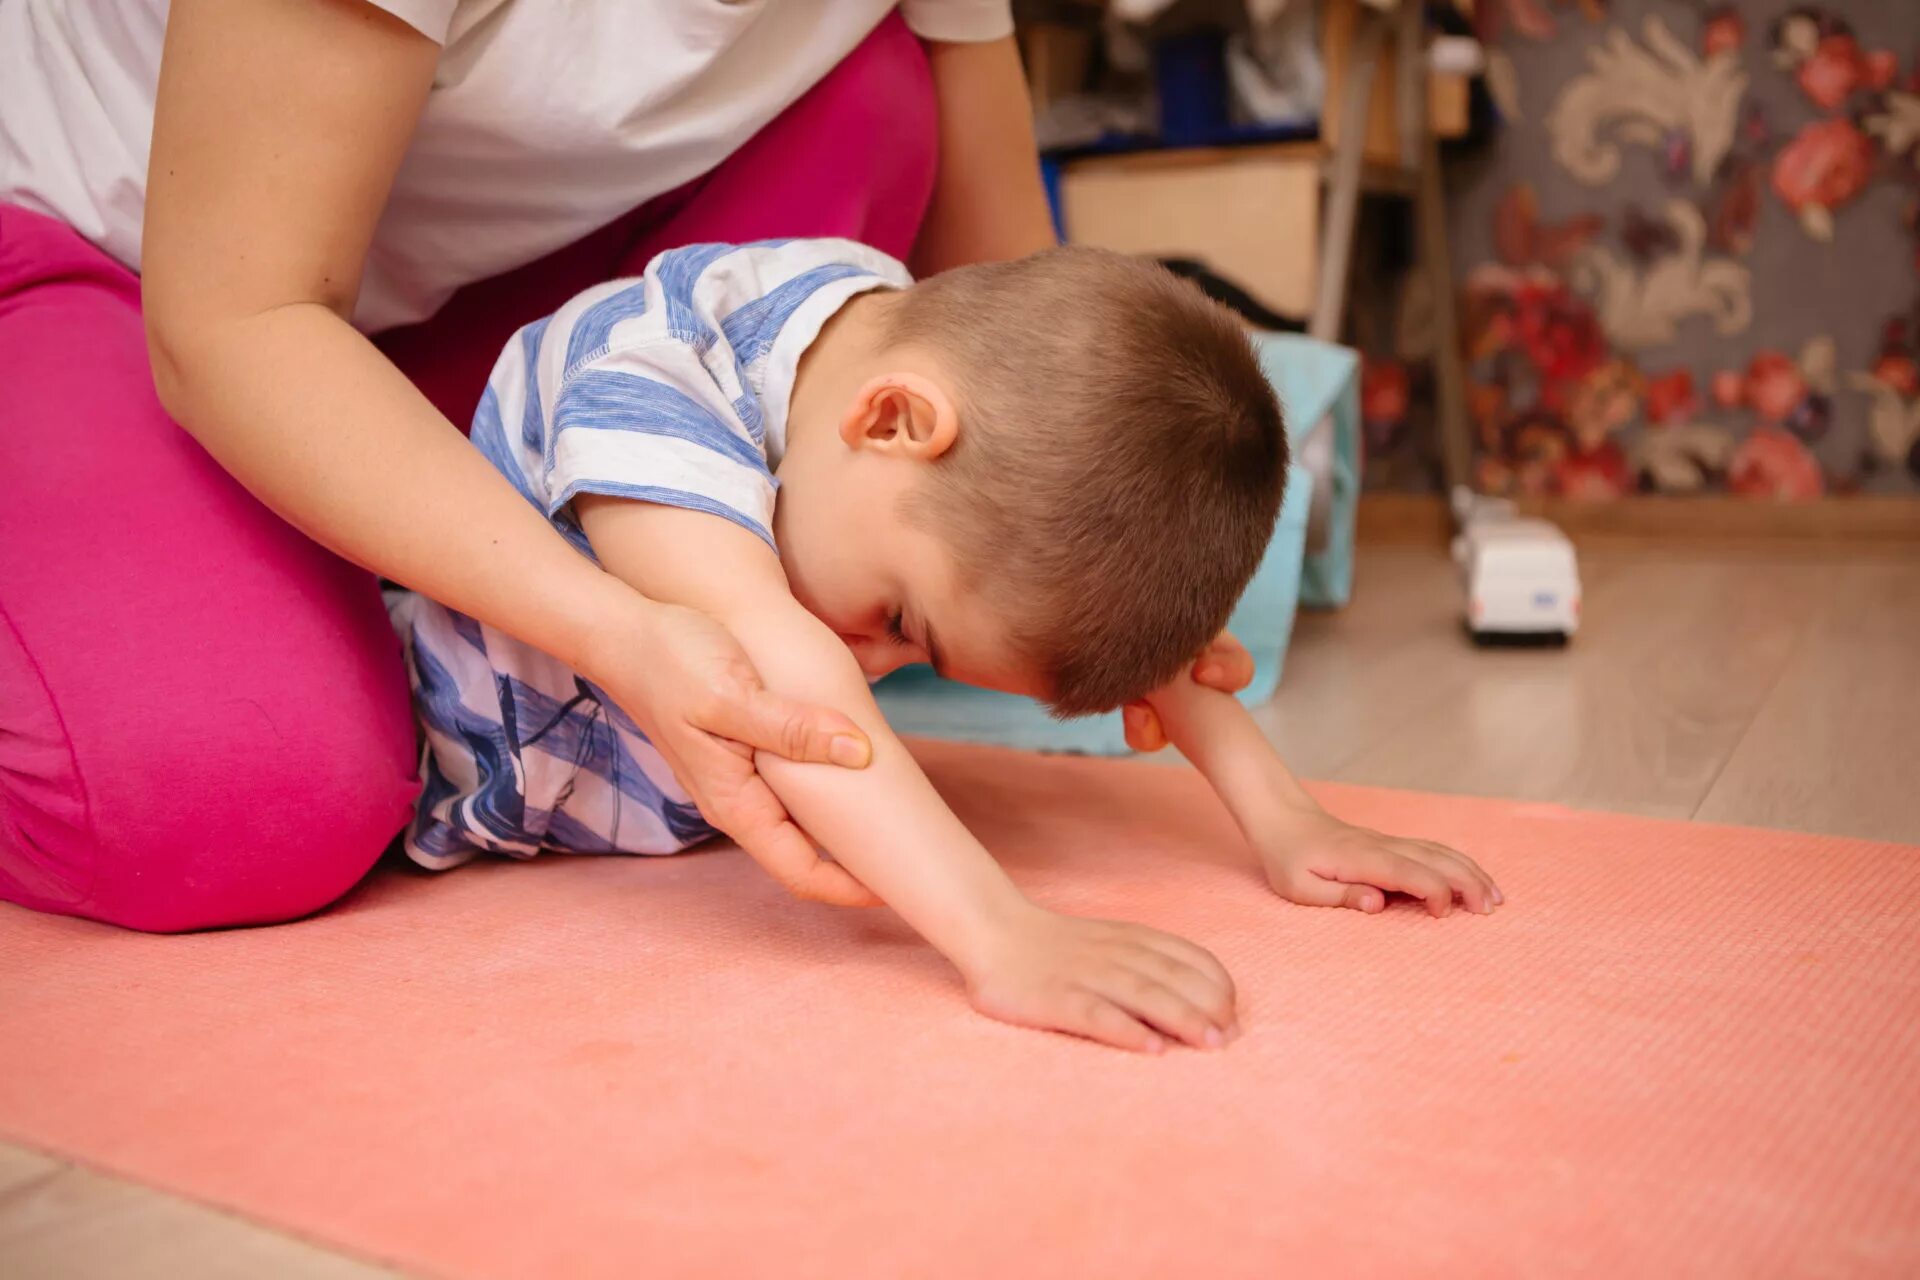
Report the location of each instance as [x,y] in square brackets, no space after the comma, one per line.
[800,731]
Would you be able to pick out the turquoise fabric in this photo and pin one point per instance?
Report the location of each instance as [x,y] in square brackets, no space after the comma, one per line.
[1316,380]
[1313,380]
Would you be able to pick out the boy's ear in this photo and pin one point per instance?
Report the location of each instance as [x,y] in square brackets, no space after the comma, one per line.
[904,414]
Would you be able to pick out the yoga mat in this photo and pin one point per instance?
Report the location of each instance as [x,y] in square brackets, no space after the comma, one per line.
[1678,1051]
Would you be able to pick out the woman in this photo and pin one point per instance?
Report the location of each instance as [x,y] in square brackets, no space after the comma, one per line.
[205,716]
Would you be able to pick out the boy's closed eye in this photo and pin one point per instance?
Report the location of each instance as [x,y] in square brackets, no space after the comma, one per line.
[901,634]
[895,630]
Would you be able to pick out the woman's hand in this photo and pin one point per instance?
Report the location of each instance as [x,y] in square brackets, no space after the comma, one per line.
[694,693]
[1224,665]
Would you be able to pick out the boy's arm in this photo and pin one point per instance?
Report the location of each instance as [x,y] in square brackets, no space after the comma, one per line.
[1309,856]
[886,824]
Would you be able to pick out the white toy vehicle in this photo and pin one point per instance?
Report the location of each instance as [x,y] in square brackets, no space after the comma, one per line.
[1522,582]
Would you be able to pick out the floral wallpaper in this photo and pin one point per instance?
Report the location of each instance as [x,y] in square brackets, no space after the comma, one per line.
[1689,255]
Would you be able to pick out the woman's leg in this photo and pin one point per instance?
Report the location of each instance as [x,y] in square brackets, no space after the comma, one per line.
[853,158]
[203,715]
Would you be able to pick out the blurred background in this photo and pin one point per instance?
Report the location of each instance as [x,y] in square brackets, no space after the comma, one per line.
[1644,273]
[1684,235]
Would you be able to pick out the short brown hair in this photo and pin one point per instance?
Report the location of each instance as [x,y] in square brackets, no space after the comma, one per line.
[1119,467]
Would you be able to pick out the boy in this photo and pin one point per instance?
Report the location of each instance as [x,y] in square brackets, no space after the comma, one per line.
[1052,476]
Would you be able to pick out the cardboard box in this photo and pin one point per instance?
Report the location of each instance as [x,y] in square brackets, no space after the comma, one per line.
[1252,214]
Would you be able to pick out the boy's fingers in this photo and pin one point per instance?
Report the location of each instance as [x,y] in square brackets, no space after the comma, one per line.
[794,730]
[1161,1007]
[1313,891]
[1492,888]
[1425,882]
[1098,1018]
[1475,885]
[1209,994]
[1405,875]
[1196,957]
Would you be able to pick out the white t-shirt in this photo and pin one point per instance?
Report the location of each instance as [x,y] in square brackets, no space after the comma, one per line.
[545,121]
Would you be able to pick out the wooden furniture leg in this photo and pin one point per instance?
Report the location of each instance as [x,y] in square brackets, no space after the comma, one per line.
[1343,186]
[1410,80]
[1449,366]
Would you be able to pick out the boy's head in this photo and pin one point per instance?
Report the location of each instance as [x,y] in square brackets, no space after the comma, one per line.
[1064,468]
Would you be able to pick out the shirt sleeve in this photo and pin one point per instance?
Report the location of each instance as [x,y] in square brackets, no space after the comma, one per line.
[431,18]
[648,423]
[958,21]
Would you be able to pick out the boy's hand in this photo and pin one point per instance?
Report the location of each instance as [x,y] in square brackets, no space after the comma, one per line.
[1317,860]
[1310,856]
[1224,664]
[1122,984]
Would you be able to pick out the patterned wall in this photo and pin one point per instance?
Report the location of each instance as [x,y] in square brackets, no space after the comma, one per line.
[1689,257]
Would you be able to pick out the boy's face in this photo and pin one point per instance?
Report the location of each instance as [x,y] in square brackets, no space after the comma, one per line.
[889,589]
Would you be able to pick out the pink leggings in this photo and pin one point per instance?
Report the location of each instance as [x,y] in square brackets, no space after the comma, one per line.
[203,715]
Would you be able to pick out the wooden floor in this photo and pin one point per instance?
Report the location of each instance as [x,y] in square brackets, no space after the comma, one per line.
[1766,690]
[1758,688]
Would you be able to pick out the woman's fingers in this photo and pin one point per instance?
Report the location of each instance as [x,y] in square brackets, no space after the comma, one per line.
[733,796]
[1225,665]
[794,730]
[784,852]
[1144,730]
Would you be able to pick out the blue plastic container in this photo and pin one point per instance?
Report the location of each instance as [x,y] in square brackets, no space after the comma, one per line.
[1190,80]
[1314,380]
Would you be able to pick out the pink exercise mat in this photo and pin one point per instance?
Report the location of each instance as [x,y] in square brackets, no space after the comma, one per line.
[1679,1050]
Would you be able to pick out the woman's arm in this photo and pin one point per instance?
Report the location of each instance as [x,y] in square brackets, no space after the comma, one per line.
[278,130]
[276,136]
[988,203]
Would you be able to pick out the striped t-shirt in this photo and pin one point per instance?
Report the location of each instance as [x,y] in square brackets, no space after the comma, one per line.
[672,388]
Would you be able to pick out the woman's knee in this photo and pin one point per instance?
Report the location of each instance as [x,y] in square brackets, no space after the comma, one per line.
[265,878]
[262,827]
[173,792]
[203,714]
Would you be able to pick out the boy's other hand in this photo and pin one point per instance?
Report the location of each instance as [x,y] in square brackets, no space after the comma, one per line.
[1122,984]
[1224,664]
[1317,860]
[693,691]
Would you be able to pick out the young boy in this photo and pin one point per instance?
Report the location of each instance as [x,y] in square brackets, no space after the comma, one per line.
[1052,477]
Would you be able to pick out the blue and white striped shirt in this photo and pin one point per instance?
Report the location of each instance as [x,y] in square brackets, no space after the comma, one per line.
[672,388]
